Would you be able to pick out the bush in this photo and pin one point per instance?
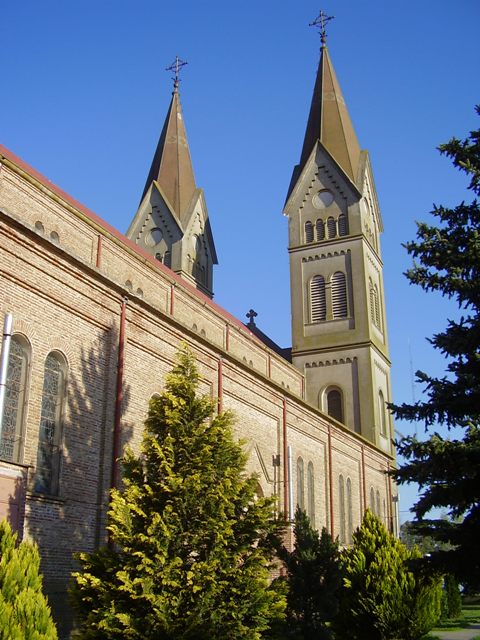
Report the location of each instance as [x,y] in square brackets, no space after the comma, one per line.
[24,612]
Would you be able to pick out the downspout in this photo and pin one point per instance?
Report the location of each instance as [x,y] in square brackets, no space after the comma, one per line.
[330,479]
[7,336]
[290,486]
[118,396]
[286,500]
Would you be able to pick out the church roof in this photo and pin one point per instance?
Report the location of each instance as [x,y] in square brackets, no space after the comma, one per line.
[172,165]
[330,122]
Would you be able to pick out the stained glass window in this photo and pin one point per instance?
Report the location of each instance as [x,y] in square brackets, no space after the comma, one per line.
[48,457]
[300,484]
[14,404]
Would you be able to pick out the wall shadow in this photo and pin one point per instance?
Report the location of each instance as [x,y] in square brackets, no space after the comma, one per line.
[74,519]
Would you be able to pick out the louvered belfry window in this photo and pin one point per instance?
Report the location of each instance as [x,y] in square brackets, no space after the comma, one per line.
[320,229]
[318,301]
[342,225]
[331,227]
[339,295]
[308,231]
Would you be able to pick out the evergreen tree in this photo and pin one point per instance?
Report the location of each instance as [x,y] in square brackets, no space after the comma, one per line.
[447,469]
[313,578]
[192,543]
[24,612]
[452,607]
[381,597]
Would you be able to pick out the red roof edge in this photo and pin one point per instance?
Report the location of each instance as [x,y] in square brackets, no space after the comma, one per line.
[9,155]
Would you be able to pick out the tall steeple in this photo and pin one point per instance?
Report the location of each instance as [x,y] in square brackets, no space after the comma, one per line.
[172,220]
[339,333]
[172,165]
[329,121]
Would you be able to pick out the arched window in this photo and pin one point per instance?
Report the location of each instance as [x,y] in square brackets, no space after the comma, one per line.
[320,229]
[339,295]
[318,304]
[349,512]
[383,414]
[377,308]
[372,500]
[308,231]
[379,512]
[300,484]
[342,225]
[15,399]
[50,434]
[335,404]
[311,493]
[341,500]
[331,227]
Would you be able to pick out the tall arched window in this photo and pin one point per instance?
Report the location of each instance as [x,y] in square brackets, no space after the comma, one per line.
[349,512]
[341,500]
[311,493]
[300,484]
[339,295]
[320,229]
[372,500]
[308,231]
[15,399]
[342,225]
[331,227]
[377,308]
[335,404]
[318,304]
[50,434]
[383,414]
[379,511]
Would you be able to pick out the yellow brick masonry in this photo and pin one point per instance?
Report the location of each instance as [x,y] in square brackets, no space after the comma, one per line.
[65,293]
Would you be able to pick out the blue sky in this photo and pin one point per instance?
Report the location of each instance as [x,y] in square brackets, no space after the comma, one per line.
[84,94]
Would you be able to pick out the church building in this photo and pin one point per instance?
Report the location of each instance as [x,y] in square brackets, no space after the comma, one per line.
[93,319]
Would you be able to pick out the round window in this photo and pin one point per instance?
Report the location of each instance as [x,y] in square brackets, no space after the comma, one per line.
[154,237]
[322,199]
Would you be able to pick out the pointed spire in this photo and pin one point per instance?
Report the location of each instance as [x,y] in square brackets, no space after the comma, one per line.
[329,120]
[172,165]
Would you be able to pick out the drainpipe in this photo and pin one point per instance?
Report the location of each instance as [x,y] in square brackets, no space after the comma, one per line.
[118,396]
[7,335]
[290,486]
[286,500]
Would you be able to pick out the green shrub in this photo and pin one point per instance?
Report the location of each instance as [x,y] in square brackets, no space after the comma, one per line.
[24,612]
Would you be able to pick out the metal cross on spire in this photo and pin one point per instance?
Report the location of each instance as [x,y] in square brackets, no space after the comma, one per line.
[321,23]
[251,315]
[175,67]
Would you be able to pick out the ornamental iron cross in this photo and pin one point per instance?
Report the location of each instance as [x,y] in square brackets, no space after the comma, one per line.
[321,23]
[175,67]
[251,315]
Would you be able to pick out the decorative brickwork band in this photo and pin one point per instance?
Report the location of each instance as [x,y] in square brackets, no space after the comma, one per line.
[330,481]
[220,386]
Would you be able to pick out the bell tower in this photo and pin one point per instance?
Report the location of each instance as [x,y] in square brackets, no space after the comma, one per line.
[172,220]
[339,333]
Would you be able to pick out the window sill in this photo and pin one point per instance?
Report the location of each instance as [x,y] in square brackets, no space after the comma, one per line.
[45,497]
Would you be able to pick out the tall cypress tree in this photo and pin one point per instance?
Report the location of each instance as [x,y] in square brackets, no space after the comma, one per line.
[381,597]
[24,612]
[192,542]
[447,466]
[313,578]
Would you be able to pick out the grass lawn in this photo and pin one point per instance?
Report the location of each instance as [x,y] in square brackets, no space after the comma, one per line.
[470,614]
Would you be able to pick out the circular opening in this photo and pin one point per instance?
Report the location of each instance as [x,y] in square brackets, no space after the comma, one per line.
[154,237]
[322,199]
